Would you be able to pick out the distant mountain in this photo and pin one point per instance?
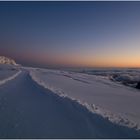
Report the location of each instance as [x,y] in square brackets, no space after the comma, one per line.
[6,60]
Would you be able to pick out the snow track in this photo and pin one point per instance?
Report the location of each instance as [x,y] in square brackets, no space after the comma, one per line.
[9,78]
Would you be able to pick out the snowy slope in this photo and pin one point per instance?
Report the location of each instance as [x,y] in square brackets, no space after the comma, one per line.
[31,111]
[7,71]
[117,102]
[28,110]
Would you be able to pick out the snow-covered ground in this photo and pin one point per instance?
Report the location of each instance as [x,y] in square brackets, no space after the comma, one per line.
[118,103]
[7,70]
[41,103]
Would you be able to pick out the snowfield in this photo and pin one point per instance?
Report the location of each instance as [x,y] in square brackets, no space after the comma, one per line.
[7,70]
[112,100]
[41,103]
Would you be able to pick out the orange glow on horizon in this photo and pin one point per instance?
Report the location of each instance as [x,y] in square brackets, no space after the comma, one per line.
[74,60]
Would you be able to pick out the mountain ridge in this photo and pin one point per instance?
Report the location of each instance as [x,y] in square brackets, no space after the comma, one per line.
[7,60]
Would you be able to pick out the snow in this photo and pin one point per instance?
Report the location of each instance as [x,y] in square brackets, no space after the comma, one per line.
[41,103]
[111,100]
[10,78]
[7,71]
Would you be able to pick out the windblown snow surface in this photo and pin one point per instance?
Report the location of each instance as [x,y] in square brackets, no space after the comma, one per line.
[41,103]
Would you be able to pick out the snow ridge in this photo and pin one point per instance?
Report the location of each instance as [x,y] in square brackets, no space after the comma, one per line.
[9,78]
[91,107]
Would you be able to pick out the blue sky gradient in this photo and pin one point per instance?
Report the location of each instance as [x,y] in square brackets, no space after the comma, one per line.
[104,34]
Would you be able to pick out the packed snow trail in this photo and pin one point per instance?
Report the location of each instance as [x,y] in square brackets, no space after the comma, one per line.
[28,110]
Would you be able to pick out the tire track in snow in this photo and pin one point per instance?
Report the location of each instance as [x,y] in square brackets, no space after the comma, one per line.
[9,78]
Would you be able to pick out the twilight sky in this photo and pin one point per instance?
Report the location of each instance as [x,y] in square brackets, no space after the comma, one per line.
[90,34]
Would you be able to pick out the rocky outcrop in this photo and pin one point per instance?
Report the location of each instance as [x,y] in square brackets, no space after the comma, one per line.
[138,85]
[6,60]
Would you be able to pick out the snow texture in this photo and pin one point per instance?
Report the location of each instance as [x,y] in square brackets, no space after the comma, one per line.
[32,106]
[7,73]
[113,101]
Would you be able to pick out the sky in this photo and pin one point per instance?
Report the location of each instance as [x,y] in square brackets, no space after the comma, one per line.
[75,34]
